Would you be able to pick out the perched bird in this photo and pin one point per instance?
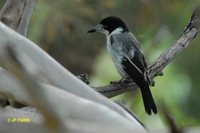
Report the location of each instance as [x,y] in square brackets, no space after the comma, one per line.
[127,56]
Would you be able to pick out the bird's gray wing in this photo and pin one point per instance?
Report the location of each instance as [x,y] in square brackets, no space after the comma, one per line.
[134,65]
[132,51]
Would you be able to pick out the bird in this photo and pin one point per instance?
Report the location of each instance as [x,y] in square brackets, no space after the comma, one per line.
[127,56]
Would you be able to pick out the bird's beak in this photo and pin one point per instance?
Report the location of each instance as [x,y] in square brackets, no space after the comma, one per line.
[97,28]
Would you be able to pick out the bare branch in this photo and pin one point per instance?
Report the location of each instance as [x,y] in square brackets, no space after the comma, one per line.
[156,69]
[72,104]
[16,14]
[170,121]
[14,62]
[26,15]
[37,126]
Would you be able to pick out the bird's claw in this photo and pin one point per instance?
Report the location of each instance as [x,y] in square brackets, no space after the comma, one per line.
[122,82]
[125,80]
[152,83]
[114,82]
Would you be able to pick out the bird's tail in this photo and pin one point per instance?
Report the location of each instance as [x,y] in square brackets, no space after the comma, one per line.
[147,97]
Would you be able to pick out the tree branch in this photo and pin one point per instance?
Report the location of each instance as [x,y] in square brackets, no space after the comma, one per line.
[156,69]
[25,17]
[47,98]
[16,14]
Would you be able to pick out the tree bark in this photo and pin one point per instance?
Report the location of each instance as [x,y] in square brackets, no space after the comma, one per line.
[16,14]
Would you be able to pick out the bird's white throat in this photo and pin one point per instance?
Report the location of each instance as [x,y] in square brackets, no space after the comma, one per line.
[116,31]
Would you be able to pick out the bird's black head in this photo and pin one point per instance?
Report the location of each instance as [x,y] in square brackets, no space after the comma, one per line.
[112,23]
[109,24]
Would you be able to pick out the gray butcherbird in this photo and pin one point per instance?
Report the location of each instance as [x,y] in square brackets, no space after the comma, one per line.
[127,56]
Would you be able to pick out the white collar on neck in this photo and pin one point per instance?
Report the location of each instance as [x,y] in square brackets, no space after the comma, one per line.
[116,31]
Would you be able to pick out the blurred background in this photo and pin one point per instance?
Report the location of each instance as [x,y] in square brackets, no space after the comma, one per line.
[60,27]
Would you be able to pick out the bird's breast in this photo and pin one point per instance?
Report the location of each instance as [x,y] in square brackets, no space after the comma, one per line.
[115,47]
[116,53]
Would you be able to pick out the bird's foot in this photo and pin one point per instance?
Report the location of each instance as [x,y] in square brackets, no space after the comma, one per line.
[152,83]
[125,81]
[122,83]
[115,82]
